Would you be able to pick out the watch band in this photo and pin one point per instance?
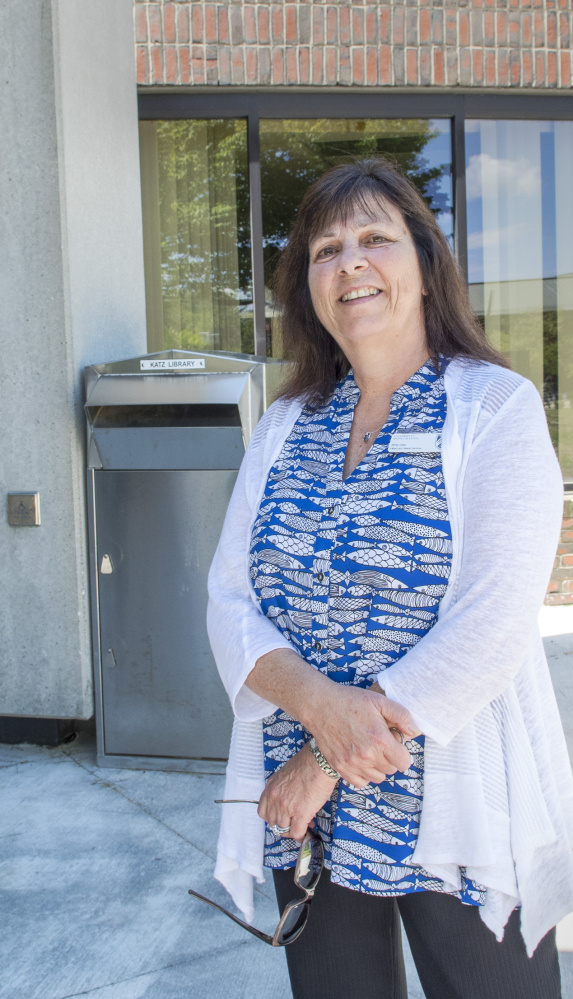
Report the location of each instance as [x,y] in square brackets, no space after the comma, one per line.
[322,761]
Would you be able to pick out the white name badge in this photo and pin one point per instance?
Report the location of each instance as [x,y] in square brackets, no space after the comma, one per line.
[428,443]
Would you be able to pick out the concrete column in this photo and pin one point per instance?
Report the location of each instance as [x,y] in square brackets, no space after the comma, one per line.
[72,293]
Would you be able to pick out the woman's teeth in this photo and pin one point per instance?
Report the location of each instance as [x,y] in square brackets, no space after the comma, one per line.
[359,293]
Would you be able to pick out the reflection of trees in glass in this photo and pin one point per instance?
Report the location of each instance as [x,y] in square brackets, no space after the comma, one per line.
[205,236]
[296,153]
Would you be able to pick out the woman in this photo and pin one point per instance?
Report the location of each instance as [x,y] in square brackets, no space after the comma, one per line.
[385,554]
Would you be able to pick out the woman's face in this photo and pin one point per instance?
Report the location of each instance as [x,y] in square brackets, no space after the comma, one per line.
[365,279]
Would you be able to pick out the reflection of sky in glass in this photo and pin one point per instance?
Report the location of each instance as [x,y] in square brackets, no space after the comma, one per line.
[519,199]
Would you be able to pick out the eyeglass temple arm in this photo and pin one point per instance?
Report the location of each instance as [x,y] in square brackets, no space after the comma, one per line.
[252,929]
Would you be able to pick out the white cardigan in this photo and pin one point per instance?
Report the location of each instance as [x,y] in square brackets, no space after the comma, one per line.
[498,789]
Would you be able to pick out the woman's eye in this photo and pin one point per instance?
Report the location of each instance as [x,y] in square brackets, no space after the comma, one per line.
[325,251]
[377,239]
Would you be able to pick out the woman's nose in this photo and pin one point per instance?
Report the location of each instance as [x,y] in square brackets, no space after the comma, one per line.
[352,259]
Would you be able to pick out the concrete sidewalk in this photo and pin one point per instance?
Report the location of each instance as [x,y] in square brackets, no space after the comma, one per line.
[95,865]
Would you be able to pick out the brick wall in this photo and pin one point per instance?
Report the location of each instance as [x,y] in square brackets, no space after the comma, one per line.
[560,589]
[481,43]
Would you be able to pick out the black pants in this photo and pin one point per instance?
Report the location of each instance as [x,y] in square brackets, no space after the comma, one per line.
[351,948]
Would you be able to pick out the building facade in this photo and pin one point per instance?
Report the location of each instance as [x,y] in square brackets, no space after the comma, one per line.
[155,154]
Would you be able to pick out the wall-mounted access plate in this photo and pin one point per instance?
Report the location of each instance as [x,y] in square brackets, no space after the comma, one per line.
[24,509]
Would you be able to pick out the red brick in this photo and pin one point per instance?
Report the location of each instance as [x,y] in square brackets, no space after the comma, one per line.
[317,65]
[527,69]
[540,68]
[304,64]
[371,24]
[344,72]
[437,27]
[140,25]
[291,66]
[264,65]
[197,22]
[170,64]
[332,26]
[488,28]
[210,23]
[425,66]
[224,65]
[515,66]
[438,67]
[563,550]
[184,65]
[553,587]
[344,25]
[566,523]
[452,69]
[477,66]
[154,22]
[452,28]
[141,64]
[156,64]
[371,66]
[564,26]
[357,26]
[501,25]
[290,29]
[197,64]
[223,25]
[411,66]
[277,19]
[278,66]
[490,69]
[465,67]
[385,64]
[551,29]
[169,22]
[237,66]
[412,27]
[398,25]
[252,65]
[183,24]
[331,65]
[263,18]
[502,67]
[514,30]
[556,599]
[357,65]
[552,69]
[526,29]
[539,30]
[318,25]
[425,26]
[566,536]
[385,24]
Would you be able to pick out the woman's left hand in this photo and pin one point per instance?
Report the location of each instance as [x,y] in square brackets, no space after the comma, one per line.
[295,793]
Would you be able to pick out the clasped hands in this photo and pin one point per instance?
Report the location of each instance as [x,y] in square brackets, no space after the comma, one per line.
[353,730]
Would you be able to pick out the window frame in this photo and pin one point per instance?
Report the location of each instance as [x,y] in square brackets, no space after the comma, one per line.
[278,103]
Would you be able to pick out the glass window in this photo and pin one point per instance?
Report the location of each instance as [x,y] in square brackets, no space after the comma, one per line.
[295,152]
[520,253]
[196,234]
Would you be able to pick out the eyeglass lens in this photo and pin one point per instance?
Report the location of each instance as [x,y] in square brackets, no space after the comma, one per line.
[310,863]
[293,922]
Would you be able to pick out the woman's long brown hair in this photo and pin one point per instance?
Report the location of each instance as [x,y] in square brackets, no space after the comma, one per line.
[452,327]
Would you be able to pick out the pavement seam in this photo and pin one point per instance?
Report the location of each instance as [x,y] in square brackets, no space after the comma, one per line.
[107,783]
[138,804]
[154,971]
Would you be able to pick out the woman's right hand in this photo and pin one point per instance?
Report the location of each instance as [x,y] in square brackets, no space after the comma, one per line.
[353,731]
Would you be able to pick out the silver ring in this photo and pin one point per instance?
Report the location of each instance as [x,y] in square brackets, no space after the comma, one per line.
[401,734]
[280,830]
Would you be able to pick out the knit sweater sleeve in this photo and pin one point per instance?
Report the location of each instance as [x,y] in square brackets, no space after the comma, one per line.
[239,633]
[512,504]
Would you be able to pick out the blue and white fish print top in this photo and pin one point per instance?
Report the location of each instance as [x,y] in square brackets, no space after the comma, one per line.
[352,572]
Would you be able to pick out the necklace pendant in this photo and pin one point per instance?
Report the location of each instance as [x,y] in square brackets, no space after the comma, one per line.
[367,436]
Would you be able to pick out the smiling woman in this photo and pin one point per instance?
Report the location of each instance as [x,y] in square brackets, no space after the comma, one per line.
[382,665]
